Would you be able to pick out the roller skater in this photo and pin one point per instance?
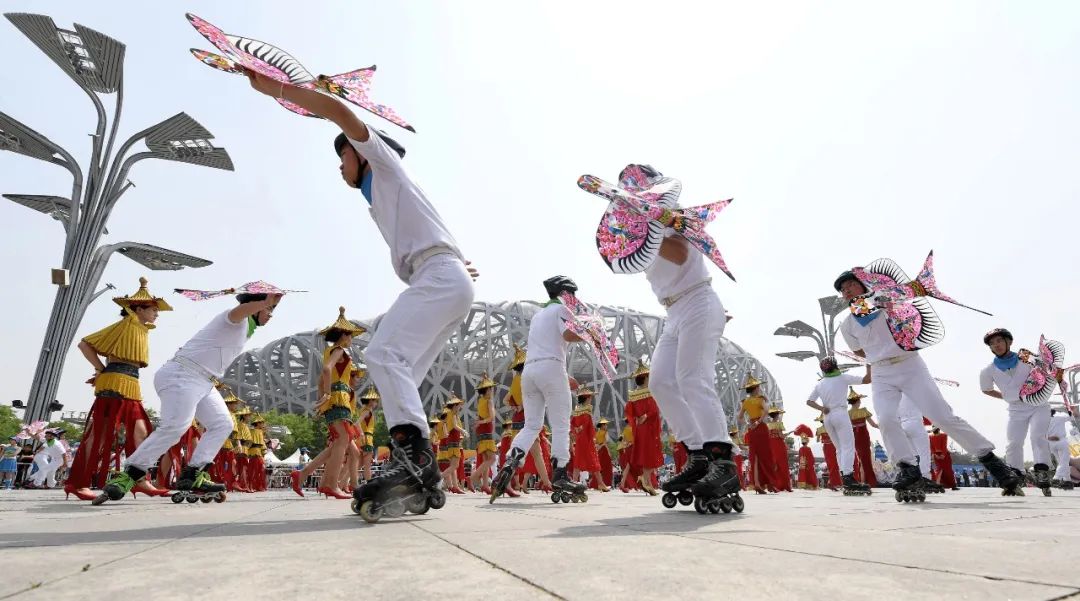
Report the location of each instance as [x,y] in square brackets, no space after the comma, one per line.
[831,391]
[909,484]
[546,389]
[1059,446]
[187,387]
[899,372]
[854,488]
[1029,417]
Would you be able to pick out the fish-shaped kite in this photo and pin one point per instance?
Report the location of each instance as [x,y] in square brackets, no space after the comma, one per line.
[242,54]
[589,326]
[632,227]
[258,287]
[1046,366]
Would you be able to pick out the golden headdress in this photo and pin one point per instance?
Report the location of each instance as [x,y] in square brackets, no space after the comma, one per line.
[519,357]
[642,370]
[142,297]
[454,400]
[584,393]
[371,394]
[774,408]
[751,382]
[485,382]
[343,324]
[854,396]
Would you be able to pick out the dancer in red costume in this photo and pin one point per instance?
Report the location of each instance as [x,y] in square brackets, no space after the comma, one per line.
[807,478]
[763,475]
[117,395]
[451,448]
[778,441]
[864,457]
[603,453]
[942,472]
[583,440]
[485,435]
[737,455]
[644,415]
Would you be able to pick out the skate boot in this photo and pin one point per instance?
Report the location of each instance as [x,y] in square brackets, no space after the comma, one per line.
[409,481]
[119,484]
[563,489]
[1011,484]
[1042,478]
[697,465]
[718,490]
[932,487]
[909,484]
[854,488]
[502,479]
[194,484]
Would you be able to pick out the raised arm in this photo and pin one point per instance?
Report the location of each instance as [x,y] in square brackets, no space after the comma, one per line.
[325,106]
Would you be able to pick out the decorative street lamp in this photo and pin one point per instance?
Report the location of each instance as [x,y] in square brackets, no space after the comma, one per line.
[830,306]
[95,62]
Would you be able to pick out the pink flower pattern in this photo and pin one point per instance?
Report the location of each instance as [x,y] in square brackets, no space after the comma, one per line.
[589,326]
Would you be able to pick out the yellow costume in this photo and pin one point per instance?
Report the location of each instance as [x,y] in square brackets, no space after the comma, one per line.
[339,402]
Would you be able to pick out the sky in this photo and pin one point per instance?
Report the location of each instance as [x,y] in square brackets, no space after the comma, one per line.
[844,132]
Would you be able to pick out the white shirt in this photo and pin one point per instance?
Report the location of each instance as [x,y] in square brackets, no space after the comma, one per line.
[668,278]
[1057,426]
[408,222]
[875,340]
[546,333]
[833,391]
[1008,382]
[217,345]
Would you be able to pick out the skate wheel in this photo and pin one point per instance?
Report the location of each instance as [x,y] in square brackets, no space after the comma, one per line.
[565,497]
[370,512]
[1046,492]
[355,506]
[207,499]
[555,498]
[899,497]
[738,504]
[417,504]
[725,506]
[220,498]
[686,498]
[100,499]
[582,498]
[177,498]
[700,506]
[436,499]
[669,500]
[192,499]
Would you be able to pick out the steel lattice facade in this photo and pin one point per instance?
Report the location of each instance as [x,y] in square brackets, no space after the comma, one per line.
[283,374]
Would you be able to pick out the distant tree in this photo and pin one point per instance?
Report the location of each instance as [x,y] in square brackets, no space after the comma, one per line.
[10,424]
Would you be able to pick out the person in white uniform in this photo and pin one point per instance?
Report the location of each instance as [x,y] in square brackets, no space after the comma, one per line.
[832,391]
[425,256]
[48,459]
[914,425]
[1057,436]
[1002,379]
[186,385]
[898,372]
[545,386]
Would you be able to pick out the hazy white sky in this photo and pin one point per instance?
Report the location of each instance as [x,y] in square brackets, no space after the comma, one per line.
[845,132]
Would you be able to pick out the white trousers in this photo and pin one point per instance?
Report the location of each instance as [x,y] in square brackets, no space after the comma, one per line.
[1060,449]
[683,371]
[1030,421]
[912,378]
[838,425]
[185,396]
[546,387]
[413,332]
[920,441]
[46,469]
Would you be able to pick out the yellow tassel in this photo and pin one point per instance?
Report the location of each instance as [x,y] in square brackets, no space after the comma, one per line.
[124,385]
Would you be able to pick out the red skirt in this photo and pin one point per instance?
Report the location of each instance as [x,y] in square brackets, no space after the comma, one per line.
[109,418]
[762,466]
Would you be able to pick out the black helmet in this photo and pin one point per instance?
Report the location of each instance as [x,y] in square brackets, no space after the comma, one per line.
[559,284]
[844,277]
[828,365]
[1007,335]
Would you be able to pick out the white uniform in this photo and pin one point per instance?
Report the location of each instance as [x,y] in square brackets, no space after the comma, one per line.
[545,383]
[48,459]
[426,257]
[833,394]
[683,372]
[187,392]
[911,420]
[897,373]
[1024,419]
[1060,447]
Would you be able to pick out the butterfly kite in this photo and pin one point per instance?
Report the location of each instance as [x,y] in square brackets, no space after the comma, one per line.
[631,230]
[240,54]
[862,361]
[912,321]
[259,287]
[35,431]
[1039,385]
[589,326]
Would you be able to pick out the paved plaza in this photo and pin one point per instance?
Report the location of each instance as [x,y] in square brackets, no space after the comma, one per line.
[971,544]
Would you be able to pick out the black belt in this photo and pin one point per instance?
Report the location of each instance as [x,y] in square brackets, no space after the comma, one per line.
[126,369]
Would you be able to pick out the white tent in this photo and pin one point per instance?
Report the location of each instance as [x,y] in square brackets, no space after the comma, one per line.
[272,459]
